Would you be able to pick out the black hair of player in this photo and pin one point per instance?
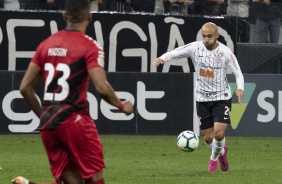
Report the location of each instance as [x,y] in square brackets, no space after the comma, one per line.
[77,10]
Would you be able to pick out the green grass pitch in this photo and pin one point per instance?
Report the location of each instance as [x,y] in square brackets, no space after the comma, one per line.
[133,159]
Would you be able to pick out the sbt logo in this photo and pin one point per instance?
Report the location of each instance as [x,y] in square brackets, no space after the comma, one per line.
[270,110]
[107,110]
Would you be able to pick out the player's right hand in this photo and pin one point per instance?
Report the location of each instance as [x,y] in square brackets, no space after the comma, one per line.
[128,107]
[157,62]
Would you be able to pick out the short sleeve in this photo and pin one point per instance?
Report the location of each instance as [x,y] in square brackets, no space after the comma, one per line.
[37,58]
[94,56]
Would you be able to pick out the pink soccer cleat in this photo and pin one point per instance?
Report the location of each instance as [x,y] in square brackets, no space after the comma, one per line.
[223,160]
[212,166]
[20,180]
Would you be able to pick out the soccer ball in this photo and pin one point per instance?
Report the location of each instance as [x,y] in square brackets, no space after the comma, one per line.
[187,141]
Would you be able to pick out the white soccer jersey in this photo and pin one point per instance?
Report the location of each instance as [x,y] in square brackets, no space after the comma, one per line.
[210,67]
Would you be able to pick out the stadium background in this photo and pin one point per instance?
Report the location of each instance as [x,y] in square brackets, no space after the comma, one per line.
[163,97]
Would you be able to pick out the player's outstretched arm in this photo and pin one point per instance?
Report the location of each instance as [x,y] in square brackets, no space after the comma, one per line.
[104,88]
[157,62]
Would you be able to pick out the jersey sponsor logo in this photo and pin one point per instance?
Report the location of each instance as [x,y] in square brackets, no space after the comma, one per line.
[208,94]
[206,73]
[57,52]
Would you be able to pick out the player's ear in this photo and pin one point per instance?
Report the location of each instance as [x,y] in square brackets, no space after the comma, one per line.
[89,16]
[64,16]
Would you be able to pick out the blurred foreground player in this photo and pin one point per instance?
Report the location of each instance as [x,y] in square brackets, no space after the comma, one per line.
[66,60]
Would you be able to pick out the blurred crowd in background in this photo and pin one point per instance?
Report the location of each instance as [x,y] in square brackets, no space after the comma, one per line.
[262,16]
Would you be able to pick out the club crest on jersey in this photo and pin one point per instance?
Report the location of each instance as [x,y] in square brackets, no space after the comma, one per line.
[218,58]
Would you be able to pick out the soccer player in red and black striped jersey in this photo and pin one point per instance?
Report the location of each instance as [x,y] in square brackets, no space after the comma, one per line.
[67,60]
[212,91]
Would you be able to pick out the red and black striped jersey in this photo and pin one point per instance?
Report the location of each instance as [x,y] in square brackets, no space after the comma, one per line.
[65,58]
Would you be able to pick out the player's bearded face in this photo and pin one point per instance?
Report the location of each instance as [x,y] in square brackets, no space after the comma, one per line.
[209,38]
[209,44]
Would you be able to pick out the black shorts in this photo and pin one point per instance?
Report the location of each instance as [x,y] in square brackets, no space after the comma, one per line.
[215,111]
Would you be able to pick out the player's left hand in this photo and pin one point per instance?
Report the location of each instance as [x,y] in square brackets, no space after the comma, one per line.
[240,95]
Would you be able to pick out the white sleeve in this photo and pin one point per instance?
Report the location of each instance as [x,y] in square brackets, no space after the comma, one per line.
[235,68]
[240,81]
[179,52]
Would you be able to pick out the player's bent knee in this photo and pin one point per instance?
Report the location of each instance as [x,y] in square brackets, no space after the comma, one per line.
[219,136]
[208,139]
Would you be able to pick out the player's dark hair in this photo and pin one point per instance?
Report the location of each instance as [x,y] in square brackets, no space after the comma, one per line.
[77,10]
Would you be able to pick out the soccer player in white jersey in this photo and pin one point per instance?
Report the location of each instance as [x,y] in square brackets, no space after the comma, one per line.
[212,91]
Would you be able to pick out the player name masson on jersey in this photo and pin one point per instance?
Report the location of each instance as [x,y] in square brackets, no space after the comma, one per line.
[57,52]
